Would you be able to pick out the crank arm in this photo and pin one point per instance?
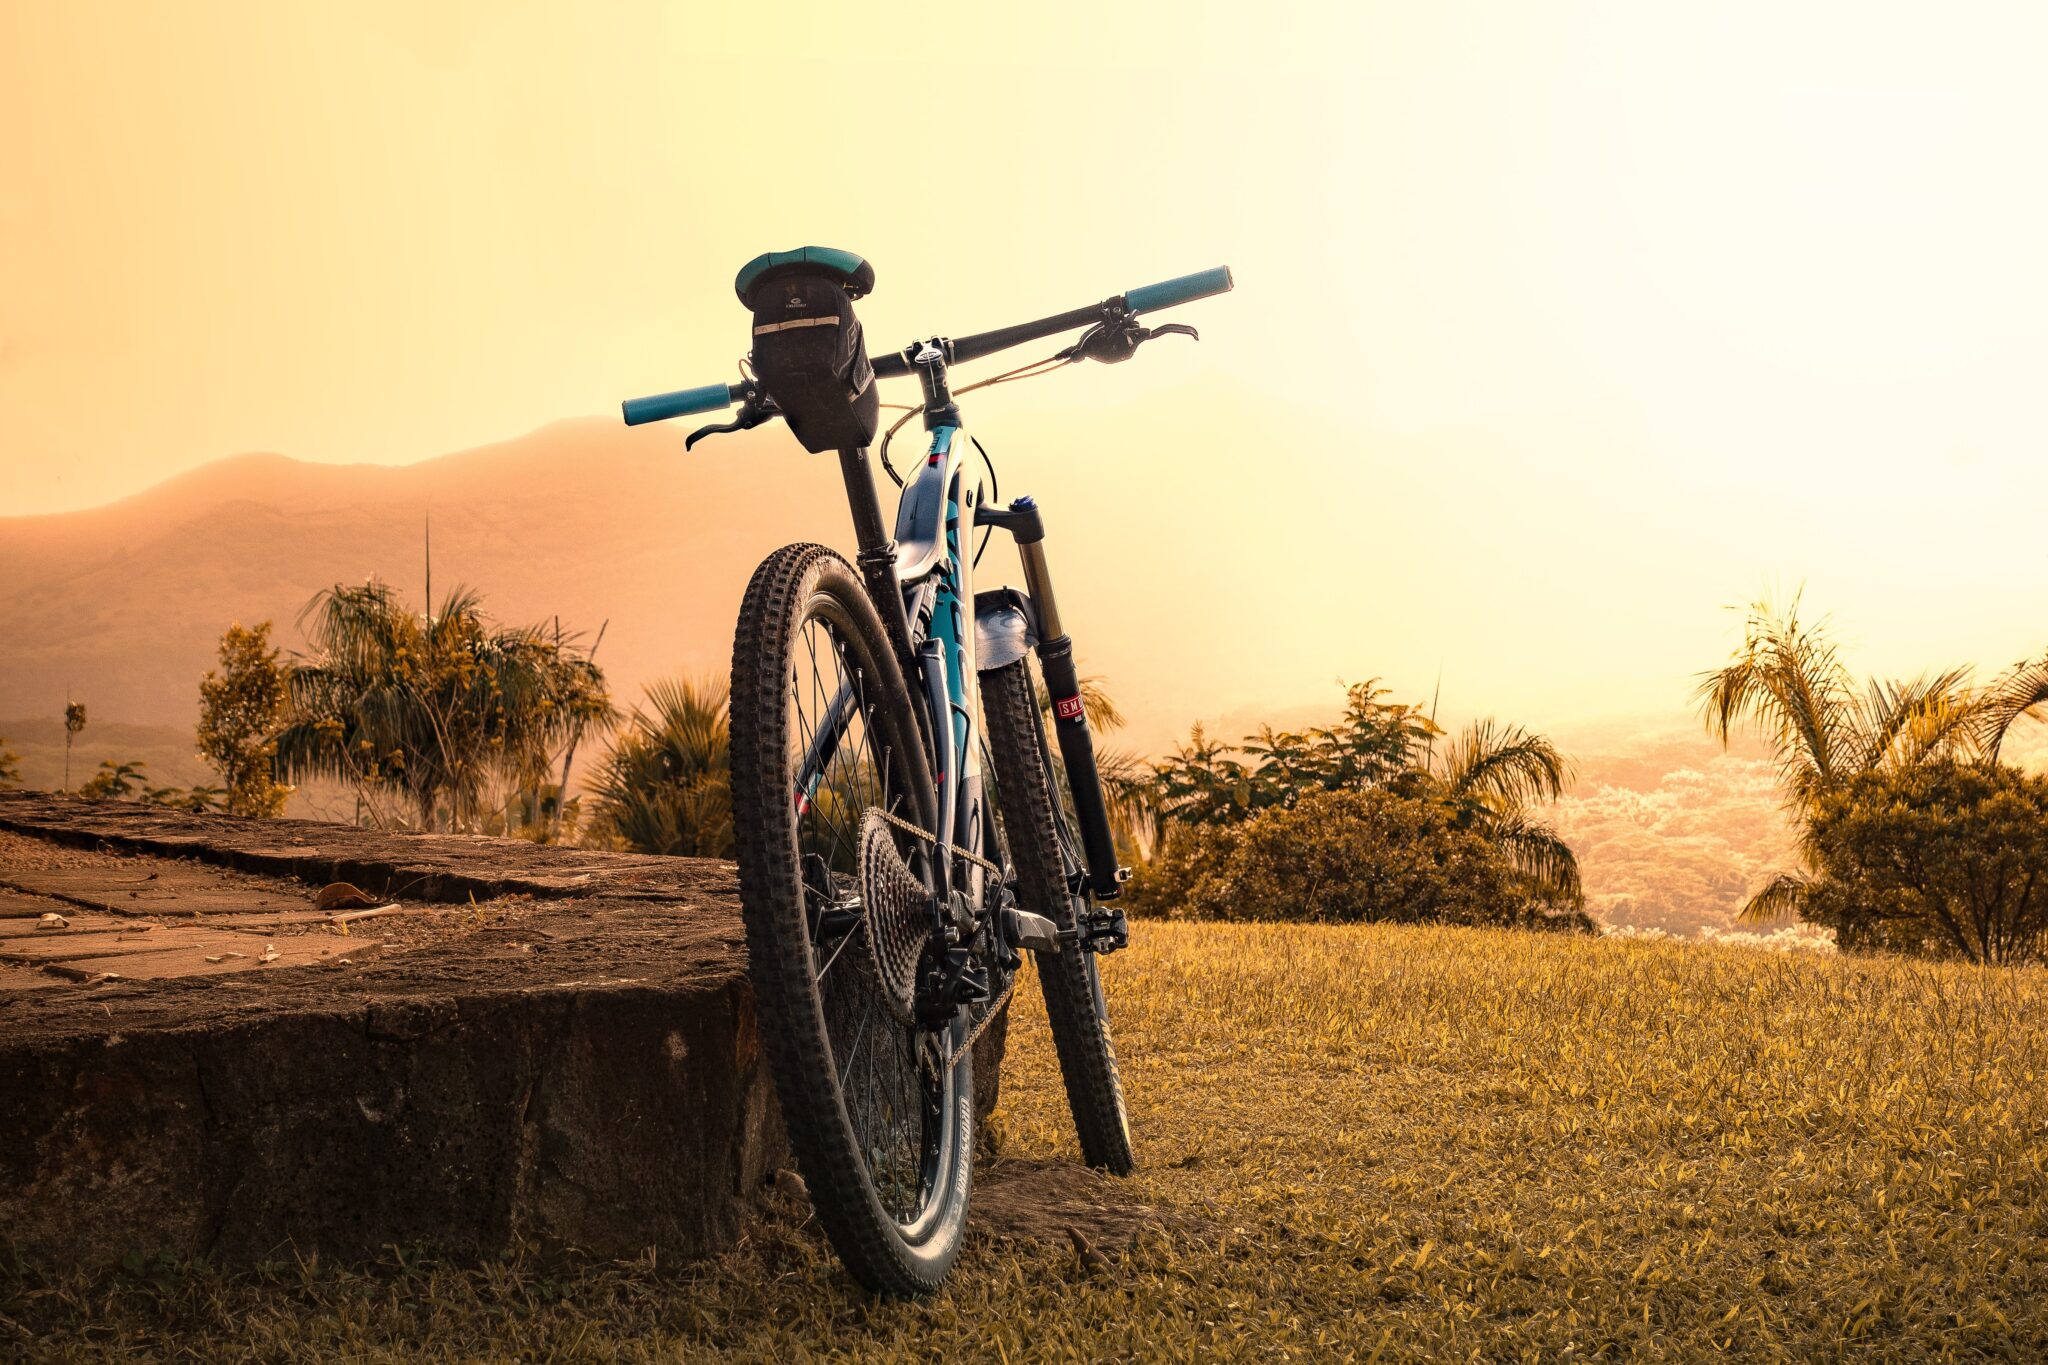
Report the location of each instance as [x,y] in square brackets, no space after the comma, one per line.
[1035,932]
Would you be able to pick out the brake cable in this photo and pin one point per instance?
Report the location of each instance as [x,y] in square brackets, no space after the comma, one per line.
[995,493]
[1031,371]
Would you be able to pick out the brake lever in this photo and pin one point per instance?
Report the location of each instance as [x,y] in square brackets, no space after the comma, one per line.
[751,414]
[1117,339]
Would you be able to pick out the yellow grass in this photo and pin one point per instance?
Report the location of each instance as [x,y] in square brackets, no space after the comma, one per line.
[1392,1142]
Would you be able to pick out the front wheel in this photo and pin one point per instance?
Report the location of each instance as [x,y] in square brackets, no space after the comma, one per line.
[879,1109]
[1043,848]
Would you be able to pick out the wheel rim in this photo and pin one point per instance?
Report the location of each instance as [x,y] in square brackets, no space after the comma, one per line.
[897,1083]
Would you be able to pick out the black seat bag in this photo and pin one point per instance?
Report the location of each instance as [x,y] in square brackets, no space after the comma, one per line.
[809,355]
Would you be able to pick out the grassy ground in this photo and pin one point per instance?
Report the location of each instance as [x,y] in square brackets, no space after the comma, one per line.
[1370,1143]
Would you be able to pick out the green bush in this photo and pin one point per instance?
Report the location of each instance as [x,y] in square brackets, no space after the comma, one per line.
[1946,859]
[1346,857]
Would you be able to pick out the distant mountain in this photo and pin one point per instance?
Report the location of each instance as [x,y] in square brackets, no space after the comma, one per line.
[584,520]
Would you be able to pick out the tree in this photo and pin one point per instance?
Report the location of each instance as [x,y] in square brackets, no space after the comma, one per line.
[1488,780]
[431,718]
[116,781]
[74,721]
[1370,745]
[2018,692]
[665,785]
[242,705]
[1491,776]
[1787,679]
[1343,857]
[1943,858]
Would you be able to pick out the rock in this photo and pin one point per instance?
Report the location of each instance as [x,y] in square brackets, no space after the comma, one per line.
[53,921]
[345,896]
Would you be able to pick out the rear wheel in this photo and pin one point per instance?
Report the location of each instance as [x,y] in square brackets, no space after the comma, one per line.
[878,1108]
[1044,849]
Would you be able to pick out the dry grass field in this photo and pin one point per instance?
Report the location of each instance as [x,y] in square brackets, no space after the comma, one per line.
[1371,1143]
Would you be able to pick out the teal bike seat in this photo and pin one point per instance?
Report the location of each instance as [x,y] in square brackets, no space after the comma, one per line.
[850,270]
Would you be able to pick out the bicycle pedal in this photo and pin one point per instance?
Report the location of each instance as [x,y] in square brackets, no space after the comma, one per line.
[1035,932]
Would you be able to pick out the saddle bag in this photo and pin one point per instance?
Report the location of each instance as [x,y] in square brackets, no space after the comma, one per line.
[809,355]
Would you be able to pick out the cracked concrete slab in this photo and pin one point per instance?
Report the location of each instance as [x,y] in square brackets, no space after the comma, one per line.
[547,1046]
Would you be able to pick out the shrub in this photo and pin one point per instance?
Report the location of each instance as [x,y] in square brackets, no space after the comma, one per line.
[241,707]
[664,787]
[1947,859]
[1345,857]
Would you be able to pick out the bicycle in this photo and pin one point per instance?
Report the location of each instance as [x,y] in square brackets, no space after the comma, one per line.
[889,896]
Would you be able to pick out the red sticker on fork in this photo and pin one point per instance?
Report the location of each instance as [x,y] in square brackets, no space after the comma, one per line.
[1069,708]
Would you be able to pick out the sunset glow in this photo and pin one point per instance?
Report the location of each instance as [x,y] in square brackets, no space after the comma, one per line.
[1558,327]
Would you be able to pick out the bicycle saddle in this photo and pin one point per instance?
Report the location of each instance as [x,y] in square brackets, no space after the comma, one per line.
[855,274]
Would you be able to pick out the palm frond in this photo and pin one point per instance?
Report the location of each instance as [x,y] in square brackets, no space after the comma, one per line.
[1788,680]
[2016,693]
[1907,723]
[1782,896]
[1096,703]
[1506,766]
[1536,851]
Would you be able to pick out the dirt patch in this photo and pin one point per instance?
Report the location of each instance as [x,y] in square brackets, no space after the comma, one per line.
[1047,1201]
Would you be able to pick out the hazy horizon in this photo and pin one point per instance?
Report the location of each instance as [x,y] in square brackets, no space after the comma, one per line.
[1558,329]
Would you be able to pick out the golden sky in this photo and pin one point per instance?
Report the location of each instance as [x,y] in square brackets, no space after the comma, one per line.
[1559,326]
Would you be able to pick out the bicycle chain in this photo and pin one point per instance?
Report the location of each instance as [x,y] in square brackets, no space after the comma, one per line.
[908,828]
[1002,999]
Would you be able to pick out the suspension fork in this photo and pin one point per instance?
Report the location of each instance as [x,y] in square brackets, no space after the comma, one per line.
[1070,718]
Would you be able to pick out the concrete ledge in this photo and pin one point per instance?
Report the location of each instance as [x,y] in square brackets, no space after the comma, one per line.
[569,1060]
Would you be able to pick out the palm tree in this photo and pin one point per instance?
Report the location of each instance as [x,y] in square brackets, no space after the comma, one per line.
[74,721]
[1491,775]
[665,787]
[434,712]
[1096,704]
[1788,680]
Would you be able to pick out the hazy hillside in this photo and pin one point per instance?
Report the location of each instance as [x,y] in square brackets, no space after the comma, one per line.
[1671,833]
[583,519]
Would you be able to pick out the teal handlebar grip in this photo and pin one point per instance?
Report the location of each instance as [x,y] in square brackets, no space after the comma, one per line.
[661,406]
[1183,290]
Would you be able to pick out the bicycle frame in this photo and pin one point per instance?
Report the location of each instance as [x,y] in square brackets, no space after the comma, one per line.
[922,584]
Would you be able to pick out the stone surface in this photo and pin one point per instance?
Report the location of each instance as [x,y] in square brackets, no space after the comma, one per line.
[570,1059]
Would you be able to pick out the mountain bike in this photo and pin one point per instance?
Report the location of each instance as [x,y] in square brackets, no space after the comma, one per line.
[890,890]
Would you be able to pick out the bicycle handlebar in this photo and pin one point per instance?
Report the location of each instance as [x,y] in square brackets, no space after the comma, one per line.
[1185,289]
[1166,294]
[661,406]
